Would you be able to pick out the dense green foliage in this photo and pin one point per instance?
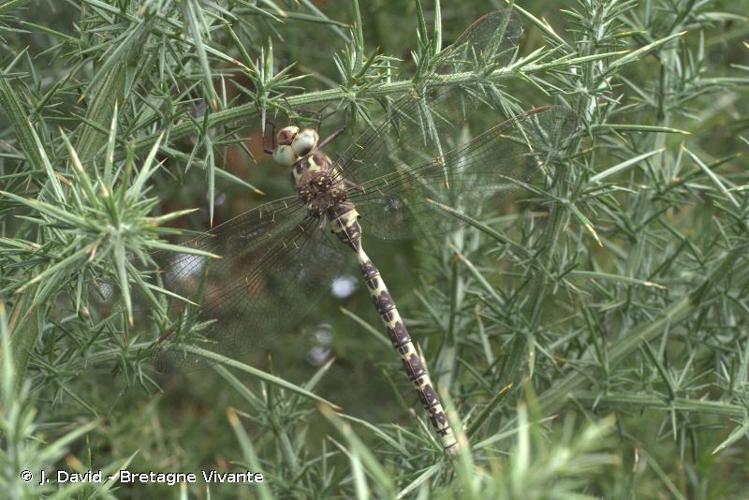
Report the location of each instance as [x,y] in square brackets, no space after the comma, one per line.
[592,341]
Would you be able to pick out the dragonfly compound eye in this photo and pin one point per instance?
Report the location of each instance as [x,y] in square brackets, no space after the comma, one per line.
[284,155]
[286,135]
[305,141]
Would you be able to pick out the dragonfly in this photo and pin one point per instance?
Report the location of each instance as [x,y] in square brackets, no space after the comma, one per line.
[388,182]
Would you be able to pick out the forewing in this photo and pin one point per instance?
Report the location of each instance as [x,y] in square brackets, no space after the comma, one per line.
[519,154]
[275,264]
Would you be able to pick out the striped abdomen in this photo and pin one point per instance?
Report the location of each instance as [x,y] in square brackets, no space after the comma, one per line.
[348,230]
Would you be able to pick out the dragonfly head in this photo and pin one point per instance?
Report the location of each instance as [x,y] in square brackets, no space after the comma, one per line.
[293,143]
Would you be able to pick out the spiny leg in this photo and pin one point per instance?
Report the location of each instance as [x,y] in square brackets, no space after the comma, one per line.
[331,137]
[269,151]
[336,132]
[348,230]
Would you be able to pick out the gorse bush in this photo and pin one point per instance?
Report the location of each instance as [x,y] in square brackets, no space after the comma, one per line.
[590,338]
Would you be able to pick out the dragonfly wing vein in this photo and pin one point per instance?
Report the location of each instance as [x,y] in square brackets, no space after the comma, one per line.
[505,159]
[275,265]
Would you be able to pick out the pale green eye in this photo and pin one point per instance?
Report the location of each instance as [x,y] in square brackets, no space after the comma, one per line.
[284,155]
[305,141]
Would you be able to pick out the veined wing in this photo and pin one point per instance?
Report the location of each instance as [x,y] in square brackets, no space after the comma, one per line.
[238,236]
[517,154]
[420,117]
[275,262]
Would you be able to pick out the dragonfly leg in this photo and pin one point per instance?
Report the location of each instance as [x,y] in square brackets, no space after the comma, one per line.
[320,116]
[331,137]
[273,139]
[336,132]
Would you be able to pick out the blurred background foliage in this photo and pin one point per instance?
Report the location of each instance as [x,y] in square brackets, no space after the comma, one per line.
[609,360]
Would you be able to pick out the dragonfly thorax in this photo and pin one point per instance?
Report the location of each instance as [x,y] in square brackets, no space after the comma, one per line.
[318,185]
[317,181]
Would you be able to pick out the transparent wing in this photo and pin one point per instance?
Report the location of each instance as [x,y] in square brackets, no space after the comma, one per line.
[275,264]
[276,260]
[517,154]
[490,42]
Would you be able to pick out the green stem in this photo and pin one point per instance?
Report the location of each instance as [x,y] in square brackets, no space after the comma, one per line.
[23,332]
[648,401]
[242,112]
